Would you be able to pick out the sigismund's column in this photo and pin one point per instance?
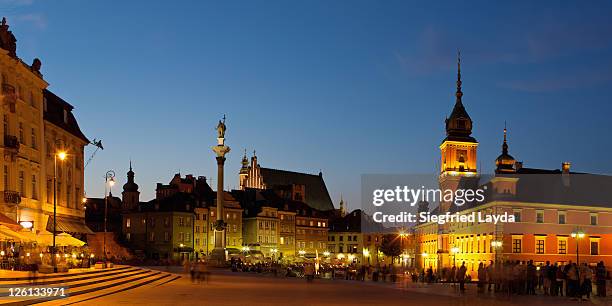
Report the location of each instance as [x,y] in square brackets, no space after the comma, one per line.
[218,255]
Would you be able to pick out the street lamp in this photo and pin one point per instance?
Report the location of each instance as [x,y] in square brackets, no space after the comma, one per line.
[454,250]
[274,253]
[62,156]
[496,244]
[577,234]
[109,180]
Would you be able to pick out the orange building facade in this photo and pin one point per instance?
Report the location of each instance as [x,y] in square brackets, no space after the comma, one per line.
[559,216]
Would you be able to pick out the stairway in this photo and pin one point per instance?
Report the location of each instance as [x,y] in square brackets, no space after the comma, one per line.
[84,285]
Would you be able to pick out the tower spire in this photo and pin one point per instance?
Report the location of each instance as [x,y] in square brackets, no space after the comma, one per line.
[459,94]
[505,144]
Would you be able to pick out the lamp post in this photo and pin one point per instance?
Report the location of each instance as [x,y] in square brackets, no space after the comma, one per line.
[454,250]
[496,244]
[62,156]
[577,234]
[403,236]
[109,180]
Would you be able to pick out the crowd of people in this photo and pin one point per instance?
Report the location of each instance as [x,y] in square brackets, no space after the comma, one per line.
[524,277]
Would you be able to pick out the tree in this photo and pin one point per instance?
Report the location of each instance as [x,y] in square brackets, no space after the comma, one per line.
[391,246]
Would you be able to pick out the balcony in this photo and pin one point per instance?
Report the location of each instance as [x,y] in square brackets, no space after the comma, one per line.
[11,142]
[12,197]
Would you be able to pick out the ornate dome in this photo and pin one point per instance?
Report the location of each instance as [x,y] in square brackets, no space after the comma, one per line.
[130,186]
[505,162]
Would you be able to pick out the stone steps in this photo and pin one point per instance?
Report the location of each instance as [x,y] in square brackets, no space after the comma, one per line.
[82,287]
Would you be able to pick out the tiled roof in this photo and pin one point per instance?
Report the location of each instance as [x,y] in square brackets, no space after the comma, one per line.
[55,114]
[316,196]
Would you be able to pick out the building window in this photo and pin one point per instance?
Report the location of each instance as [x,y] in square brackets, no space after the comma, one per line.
[181,237]
[593,219]
[21,184]
[33,141]
[166,236]
[187,237]
[594,247]
[197,229]
[6,178]
[516,245]
[128,236]
[166,221]
[152,236]
[540,216]
[21,138]
[6,125]
[128,223]
[539,246]
[517,216]
[561,217]
[562,246]
[34,188]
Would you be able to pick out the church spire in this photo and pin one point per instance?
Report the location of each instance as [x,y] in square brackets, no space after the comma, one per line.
[459,94]
[505,162]
[505,144]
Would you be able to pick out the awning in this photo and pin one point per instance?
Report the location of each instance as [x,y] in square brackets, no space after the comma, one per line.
[68,225]
[8,233]
[8,222]
[61,239]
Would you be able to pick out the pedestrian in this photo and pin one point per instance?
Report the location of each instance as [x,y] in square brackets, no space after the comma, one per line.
[586,274]
[309,272]
[203,274]
[531,278]
[490,271]
[573,281]
[461,276]
[600,279]
[482,277]
[192,271]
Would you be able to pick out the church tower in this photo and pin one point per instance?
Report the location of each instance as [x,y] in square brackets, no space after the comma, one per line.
[458,150]
[243,175]
[342,207]
[130,194]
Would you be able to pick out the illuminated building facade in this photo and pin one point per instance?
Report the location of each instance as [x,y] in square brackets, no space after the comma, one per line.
[560,216]
[37,125]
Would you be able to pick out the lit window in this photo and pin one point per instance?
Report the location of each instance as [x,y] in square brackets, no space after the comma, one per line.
[539,246]
[594,247]
[128,223]
[516,245]
[562,248]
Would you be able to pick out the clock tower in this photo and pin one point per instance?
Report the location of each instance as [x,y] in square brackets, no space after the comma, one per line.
[459,149]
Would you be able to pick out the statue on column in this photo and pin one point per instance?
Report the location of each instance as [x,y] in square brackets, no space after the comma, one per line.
[221,128]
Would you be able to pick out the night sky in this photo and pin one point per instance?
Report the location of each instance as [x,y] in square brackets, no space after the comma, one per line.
[345,87]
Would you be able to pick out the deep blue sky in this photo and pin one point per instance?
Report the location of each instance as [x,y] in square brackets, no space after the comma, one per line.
[348,87]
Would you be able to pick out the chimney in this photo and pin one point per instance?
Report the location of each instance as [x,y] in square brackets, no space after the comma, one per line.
[565,171]
[565,167]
